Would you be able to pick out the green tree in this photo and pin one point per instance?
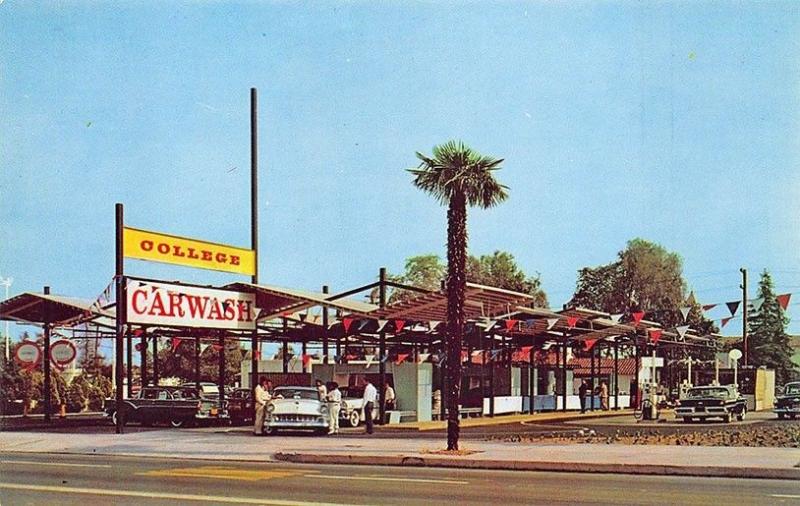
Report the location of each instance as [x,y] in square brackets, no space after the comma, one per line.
[78,394]
[500,270]
[180,363]
[457,176]
[768,343]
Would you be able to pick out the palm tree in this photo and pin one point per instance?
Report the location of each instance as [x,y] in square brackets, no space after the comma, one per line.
[459,177]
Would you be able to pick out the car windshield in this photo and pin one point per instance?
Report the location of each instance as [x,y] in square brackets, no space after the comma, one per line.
[297,393]
[185,393]
[792,389]
[707,392]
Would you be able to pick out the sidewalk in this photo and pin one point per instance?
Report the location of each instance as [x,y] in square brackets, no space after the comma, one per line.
[775,463]
[483,421]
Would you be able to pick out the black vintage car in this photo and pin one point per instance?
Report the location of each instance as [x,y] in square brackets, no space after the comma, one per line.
[155,405]
[712,402]
[240,406]
[788,403]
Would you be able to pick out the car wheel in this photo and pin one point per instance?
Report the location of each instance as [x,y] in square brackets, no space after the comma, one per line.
[269,431]
[177,423]
[727,418]
[354,418]
[114,418]
[742,414]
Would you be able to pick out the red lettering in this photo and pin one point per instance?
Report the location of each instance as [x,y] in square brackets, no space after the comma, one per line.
[135,297]
[176,251]
[158,309]
[230,309]
[244,311]
[197,305]
[175,304]
[146,245]
[163,248]
[221,257]
[207,255]
[215,313]
[234,260]
[193,254]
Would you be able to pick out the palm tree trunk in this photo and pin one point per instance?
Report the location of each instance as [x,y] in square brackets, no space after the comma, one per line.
[456,293]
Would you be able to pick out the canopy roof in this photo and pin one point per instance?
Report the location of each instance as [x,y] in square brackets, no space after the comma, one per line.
[38,308]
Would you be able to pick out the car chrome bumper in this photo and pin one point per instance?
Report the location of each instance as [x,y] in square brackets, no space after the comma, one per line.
[296,425]
[787,410]
[706,412]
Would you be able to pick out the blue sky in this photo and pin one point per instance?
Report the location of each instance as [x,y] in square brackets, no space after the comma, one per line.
[676,122]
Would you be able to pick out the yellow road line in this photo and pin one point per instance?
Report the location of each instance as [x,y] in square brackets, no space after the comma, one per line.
[64,464]
[223,473]
[381,478]
[160,495]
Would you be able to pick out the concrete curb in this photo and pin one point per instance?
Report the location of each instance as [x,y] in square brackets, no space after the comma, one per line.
[503,420]
[514,465]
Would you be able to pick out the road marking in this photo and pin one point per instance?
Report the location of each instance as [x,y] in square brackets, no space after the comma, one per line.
[65,464]
[380,478]
[785,496]
[161,495]
[223,473]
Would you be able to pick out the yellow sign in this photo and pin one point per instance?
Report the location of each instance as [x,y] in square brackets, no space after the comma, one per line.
[171,249]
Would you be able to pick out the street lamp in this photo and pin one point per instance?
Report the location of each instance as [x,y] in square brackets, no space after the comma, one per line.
[7,283]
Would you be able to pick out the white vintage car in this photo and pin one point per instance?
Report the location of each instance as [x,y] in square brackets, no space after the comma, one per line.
[353,406]
[296,408]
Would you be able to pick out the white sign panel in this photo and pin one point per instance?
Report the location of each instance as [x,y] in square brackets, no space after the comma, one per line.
[62,353]
[166,304]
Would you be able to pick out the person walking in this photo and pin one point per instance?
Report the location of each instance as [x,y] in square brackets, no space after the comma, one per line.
[263,397]
[391,398]
[603,396]
[582,391]
[334,406]
[370,397]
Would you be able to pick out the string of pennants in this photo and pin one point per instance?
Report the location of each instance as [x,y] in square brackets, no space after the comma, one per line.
[101,300]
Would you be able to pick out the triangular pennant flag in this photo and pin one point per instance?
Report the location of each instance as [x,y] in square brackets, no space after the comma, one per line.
[637,317]
[216,346]
[423,357]
[398,325]
[589,343]
[362,324]
[401,357]
[571,321]
[433,324]
[783,300]
[655,334]
[526,350]
[370,359]
[690,300]
[346,322]
[383,358]
[303,316]
[381,324]
[616,317]
[685,312]
[475,353]
[709,307]
[529,324]
[494,353]
[757,303]
[510,324]
[203,347]
[306,360]
[551,322]
[176,341]
[725,321]
[489,324]
[138,332]
[682,330]
[733,306]
[332,323]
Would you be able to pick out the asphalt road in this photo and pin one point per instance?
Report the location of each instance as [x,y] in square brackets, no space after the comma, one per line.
[78,480]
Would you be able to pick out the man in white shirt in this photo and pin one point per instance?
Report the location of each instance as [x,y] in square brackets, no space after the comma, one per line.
[334,406]
[391,398]
[263,397]
[370,397]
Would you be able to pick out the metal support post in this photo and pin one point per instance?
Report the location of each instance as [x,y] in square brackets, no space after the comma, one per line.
[120,323]
[382,349]
[616,374]
[325,346]
[46,363]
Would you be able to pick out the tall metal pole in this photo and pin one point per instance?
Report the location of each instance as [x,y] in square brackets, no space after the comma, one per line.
[155,361]
[564,376]
[221,383]
[143,357]
[254,232]
[325,329]
[129,365]
[744,314]
[197,363]
[7,283]
[285,346]
[592,376]
[382,348]
[120,310]
[616,373]
[531,377]
[46,364]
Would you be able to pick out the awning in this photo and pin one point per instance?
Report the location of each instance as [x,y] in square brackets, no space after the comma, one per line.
[38,308]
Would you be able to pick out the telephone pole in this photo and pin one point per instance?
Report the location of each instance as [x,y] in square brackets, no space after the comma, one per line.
[743,286]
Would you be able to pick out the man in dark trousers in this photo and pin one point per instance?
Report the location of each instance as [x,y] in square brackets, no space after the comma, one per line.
[582,391]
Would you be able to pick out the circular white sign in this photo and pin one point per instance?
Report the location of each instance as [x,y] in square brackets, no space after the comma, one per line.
[62,352]
[28,353]
[735,354]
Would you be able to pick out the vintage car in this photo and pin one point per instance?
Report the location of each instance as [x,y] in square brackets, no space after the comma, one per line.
[240,406]
[209,408]
[353,406]
[787,404]
[155,405]
[719,401]
[296,408]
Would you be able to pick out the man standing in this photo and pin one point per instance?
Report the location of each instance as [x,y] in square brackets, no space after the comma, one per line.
[263,396]
[391,403]
[582,390]
[370,396]
[604,396]
[334,406]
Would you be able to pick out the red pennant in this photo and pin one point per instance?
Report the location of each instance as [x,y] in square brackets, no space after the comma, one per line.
[708,307]
[138,347]
[258,354]
[398,325]
[783,300]
[216,346]
[138,332]
[510,324]
[725,321]
[346,322]
[571,321]
[176,341]
[655,335]
[589,343]
[306,360]
[401,357]
[637,317]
